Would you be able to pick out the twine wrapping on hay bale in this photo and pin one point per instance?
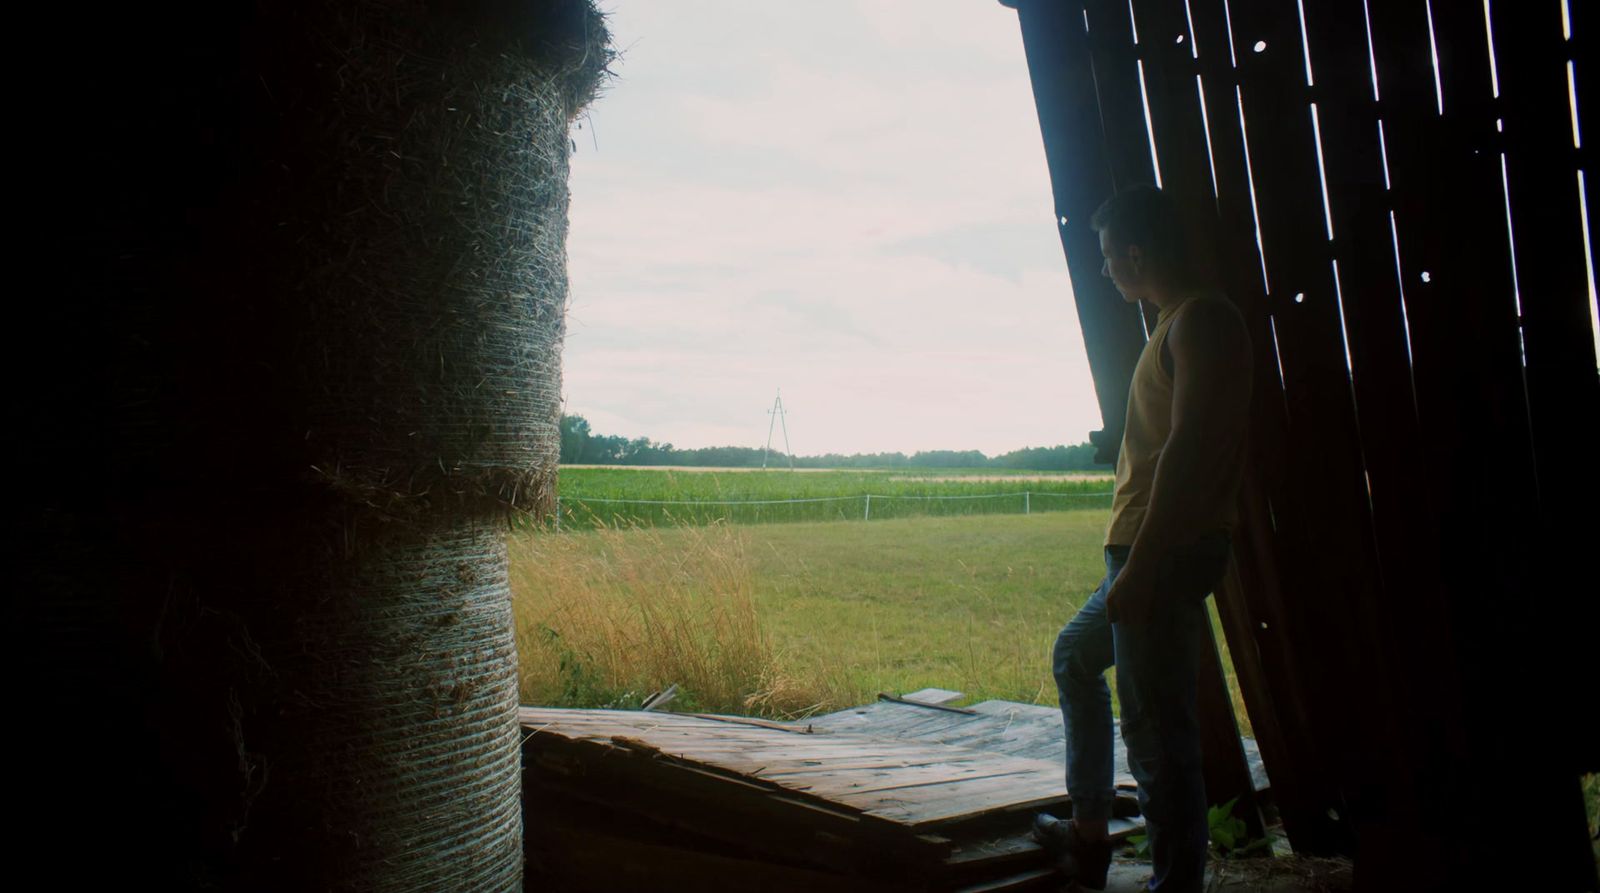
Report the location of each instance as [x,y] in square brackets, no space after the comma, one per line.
[438,271]
[376,294]
[425,223]
[348,720]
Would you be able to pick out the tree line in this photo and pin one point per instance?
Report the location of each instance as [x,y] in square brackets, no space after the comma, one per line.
[581,446]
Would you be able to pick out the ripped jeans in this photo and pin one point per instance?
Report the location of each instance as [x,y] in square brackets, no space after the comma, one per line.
[1157,666]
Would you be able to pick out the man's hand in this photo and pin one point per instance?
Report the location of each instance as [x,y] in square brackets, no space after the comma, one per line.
[1132,598]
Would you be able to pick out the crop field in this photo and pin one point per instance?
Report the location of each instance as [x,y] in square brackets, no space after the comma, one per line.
[596,496]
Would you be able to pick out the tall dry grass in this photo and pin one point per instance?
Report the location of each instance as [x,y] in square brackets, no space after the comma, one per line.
[608,617]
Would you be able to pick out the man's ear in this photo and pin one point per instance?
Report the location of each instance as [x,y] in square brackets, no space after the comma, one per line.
[1135,258]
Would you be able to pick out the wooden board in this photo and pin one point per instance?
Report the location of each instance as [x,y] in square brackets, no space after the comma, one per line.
[721,802]
[1030,731]
[910,784]
[934,696]
[592,857]
[1087,104]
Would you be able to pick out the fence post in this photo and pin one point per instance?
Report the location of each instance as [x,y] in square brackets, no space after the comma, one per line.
[867,516]
[558,514]
[1025,509]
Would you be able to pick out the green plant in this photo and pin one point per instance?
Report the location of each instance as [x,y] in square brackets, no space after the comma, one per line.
[1140,844]
[1228,833]
[1591,805]
[1227,830]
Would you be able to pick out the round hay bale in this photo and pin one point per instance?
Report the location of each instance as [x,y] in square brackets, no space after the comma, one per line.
[347,720]
[418,210]
[367,286]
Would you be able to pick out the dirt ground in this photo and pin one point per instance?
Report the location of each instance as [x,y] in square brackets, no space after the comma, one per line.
[1284,874]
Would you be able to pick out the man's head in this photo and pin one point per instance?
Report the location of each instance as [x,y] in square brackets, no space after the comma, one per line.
[1142,240]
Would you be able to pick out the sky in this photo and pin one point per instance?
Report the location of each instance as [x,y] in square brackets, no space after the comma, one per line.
[844,199]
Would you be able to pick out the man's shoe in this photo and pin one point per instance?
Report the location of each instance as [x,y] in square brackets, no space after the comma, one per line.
[1083,861]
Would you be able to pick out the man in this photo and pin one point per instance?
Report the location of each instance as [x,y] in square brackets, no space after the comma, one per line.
[1167,545]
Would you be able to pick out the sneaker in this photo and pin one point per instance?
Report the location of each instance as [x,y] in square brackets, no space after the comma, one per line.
[1083,861]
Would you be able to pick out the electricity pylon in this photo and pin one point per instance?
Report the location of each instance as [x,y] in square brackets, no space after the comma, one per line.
[777,413]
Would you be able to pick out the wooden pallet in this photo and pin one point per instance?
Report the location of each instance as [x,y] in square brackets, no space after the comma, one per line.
[781,801]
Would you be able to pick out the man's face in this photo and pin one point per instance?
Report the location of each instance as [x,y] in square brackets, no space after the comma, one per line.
[1122,267]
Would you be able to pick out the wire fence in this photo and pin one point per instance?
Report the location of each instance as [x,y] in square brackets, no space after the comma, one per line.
[581,512]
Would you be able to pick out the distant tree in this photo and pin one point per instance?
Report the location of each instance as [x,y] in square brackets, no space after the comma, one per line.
[580,445]
[719,457]
[644,451]
[949,459]
[574,438]
[604,449]
[1056,458]
[838,460]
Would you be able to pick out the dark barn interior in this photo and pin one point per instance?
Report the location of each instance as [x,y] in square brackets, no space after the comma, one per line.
[296,364]
[1393,190]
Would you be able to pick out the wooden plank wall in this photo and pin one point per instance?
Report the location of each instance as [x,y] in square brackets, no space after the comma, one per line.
[1082,174]
[1393,194]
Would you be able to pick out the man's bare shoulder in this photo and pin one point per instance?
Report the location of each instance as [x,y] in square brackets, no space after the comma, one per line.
[1211,324]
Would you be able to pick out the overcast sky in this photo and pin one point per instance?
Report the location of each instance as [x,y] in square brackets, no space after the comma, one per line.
[845,199]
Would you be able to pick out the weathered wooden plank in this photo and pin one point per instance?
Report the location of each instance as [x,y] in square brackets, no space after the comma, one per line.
[811,765]
[804,728]
[1044,740]
[1038,735]
[750,813]
[1541,167]
[863,786]
[934,696]
[1460,298]
[1029,731]
[1581,51]
[1563,391]
[1125,131]
[593,857]
[1227,770]
[1242,630]
[1030,879]
[1310,514]
[978,799]
[1401,672]
[1250,600]
[944,724]
[1008,848]
[1070,91]
[1562,398]
[913,792]
[884,718]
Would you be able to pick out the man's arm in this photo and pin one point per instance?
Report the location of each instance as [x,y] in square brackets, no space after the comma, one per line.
[1210,409]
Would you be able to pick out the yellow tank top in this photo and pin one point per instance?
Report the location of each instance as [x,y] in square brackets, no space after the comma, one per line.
[1144,436]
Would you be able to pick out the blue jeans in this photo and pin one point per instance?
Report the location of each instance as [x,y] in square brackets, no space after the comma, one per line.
[1158,665]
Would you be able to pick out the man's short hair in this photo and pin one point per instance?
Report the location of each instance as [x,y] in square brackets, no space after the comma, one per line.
[1147,217]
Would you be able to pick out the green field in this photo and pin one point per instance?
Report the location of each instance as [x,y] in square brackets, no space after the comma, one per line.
[789,619]
[592,496]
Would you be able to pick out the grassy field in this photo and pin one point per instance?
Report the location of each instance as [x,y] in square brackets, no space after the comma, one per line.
[785,620]
[593,496]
